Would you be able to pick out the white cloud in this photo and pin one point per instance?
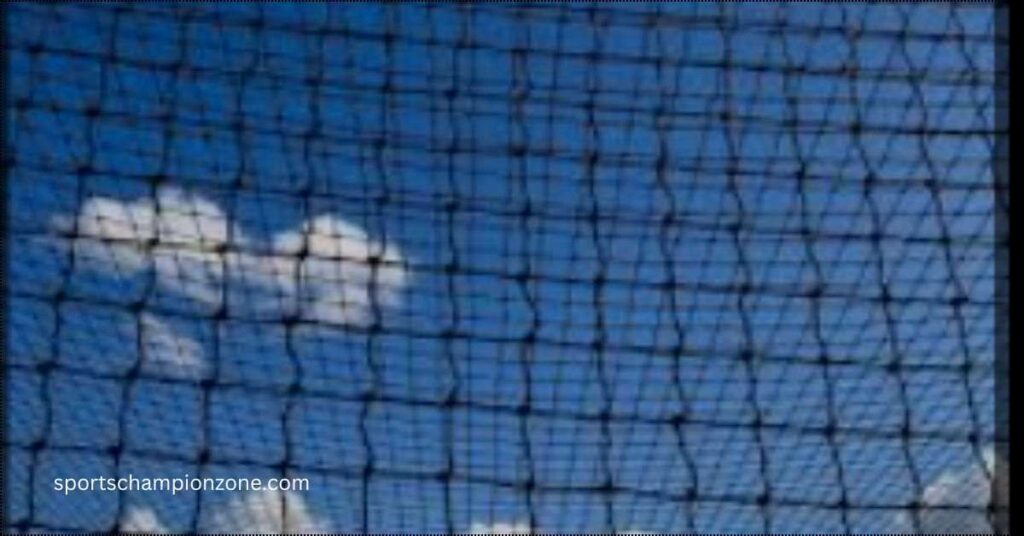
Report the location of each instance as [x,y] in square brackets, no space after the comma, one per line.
[110,219]
[170,350]
[500,528]
[969,488]
[187,219]
[142,520]
[123,259]
[195,274]
[956,502]
[263,512]
[338,282]
[523,527]
[255,512]
[177,217]
[343,273]
[261,286]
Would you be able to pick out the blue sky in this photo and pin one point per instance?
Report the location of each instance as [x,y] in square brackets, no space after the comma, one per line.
[610,160]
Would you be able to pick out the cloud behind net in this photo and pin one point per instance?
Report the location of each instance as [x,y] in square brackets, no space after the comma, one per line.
[271,333]
[193,261]
[328,270]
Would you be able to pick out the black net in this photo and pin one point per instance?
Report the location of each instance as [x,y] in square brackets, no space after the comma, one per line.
[606,267]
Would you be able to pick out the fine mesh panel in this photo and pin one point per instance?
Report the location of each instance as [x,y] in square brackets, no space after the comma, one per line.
[609,267]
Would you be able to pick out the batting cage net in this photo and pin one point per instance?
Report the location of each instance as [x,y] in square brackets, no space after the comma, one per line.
[502,267]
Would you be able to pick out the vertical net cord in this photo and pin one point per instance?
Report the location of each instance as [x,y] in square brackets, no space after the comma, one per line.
[747,351]
[960,295]
[895,365]
[816,292]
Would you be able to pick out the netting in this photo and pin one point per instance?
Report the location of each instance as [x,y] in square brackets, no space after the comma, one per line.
[560,267]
